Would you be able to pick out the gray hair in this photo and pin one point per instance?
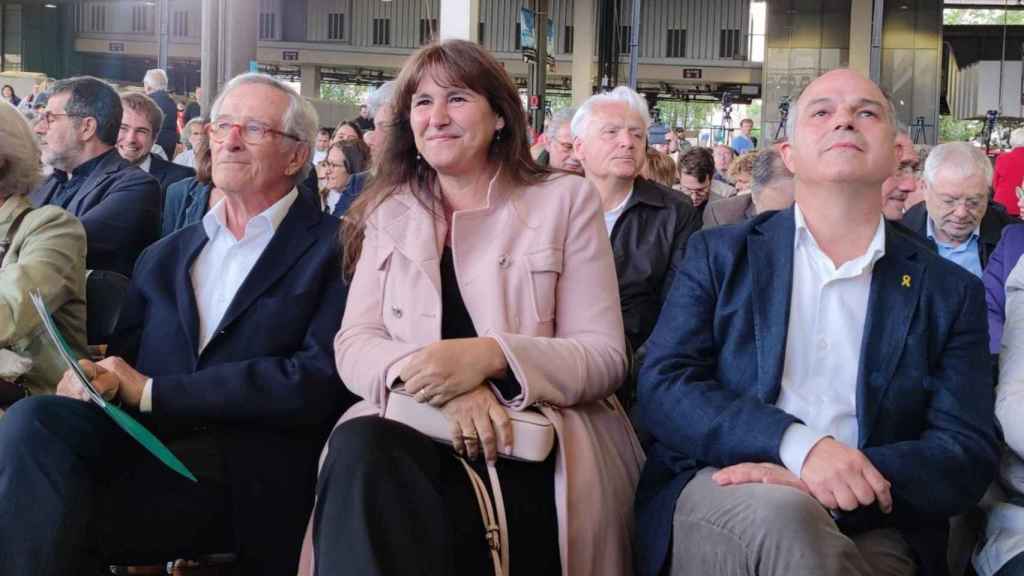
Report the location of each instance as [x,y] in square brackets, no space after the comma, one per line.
[1017,138]
[186,130]
[19,154]
[965,158]
[559,118]
[155,78]
[635,101]
[380,97]
[767,170]
[794,112]
[299,119]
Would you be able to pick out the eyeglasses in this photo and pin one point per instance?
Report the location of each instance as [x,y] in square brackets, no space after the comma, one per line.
[331,165]
[252,132]
[48,117]
[949,203]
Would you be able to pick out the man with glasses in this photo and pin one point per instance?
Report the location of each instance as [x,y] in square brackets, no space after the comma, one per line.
[118,203]
[560,151]
[696,178]
[956,216]
[224,348]
[903,182]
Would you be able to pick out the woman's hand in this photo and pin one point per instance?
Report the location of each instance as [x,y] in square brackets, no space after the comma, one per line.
[450,368]
[478,420]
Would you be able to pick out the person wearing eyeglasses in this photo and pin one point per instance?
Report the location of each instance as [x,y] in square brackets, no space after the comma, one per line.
[224,348]
[344,171]
[118,203]
[956,216]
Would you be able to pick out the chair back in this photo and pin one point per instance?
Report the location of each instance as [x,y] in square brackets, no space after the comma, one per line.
[104,294]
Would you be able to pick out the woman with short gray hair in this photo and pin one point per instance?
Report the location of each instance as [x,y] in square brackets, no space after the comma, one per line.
[42,250]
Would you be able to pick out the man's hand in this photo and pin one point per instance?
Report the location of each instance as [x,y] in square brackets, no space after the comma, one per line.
[841,477]
[103,381]
[758,473]
[131,382]
[449,368]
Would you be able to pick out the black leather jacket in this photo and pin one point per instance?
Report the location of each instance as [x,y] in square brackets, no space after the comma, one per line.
[649,241]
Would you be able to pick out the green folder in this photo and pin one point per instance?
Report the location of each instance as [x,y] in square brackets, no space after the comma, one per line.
[130,425]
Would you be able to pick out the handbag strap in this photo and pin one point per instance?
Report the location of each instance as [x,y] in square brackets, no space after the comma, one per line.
[493,514]
[5,244]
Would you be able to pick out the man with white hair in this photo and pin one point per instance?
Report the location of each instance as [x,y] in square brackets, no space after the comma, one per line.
[560,152]
[155,85]
[224,348]
[648,224]
[1009,174]
[898,187]
[378,106]
[956,217]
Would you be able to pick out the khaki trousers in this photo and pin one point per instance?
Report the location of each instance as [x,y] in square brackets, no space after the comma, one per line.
[767,530]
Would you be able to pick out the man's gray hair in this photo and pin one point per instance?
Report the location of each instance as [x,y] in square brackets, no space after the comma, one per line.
[768,169]
[155,78]
[794,112]
[1017,138]
[635,101]
[380,97]
[299,119]
[19,154]
[559,119]
[966,159]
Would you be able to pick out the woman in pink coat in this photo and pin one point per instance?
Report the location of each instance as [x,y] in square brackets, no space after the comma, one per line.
[484,285]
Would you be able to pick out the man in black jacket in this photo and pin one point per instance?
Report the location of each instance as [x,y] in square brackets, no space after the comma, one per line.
[648,224]
[140,123]
[956,218]
[118,204]
[155,85]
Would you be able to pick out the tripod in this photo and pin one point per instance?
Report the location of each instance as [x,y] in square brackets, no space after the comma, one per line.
[780,131]
[726,126]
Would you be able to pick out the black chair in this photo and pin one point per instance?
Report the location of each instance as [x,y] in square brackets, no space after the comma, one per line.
[104,294]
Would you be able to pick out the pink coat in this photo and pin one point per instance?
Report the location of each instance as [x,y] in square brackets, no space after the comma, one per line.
[536,272]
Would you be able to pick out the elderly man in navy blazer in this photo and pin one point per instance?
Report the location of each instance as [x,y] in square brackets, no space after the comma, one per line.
[224,347]
[817,385]
[118,204]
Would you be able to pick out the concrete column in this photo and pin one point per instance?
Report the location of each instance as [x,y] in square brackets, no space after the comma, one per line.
[584,26]
[860,35]
[239,19]
[310,81]
[460,19]
[209,44]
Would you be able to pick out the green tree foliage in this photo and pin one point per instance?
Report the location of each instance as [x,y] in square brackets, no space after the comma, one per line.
[981,16]
[351,94]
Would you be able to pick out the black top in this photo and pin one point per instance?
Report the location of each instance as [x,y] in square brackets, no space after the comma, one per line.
[69,187]
[456,322]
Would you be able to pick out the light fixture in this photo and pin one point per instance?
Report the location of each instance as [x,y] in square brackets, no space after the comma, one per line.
[49,5]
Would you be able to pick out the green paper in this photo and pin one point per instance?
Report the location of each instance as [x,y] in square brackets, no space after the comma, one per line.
[130,425]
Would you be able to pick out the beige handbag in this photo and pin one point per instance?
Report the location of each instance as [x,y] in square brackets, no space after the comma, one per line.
[533,438]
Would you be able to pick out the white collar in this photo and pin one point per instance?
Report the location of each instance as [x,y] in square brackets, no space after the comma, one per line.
[270,218]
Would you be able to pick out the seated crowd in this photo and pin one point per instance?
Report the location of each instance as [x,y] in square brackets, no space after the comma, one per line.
[427,343]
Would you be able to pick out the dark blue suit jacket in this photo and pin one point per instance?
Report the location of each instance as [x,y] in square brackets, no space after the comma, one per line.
[714,367]
[119,205]
[265,388]
[185,204]
[167,173]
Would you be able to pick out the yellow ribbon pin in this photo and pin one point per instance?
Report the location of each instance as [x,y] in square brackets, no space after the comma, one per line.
[906,281]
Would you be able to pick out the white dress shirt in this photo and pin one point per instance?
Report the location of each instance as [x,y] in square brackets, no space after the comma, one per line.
[223,265]
[827,310]
[186,158]
[147,163]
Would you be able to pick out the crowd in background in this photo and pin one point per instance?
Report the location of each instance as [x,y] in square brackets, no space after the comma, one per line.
[803,356]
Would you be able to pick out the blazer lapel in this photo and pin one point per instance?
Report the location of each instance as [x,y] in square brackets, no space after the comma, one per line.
[109,165]
[770,254]
[896,283]
[413,230]
[290,242]
[192,244]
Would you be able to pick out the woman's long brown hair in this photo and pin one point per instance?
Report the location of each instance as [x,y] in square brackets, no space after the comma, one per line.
[450,63]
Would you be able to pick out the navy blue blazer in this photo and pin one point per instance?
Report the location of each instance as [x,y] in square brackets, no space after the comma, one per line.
[714,367]
[352,190]
[119,205]
[185,204]
[265,388]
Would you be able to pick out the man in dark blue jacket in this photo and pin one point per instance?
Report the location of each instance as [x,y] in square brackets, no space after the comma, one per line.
[224,348]
[817,385]
[140,122]
[118,204]
[155,84]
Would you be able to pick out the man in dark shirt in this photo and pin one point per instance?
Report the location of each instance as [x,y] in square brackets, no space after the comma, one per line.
[155,85]
[118,204]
